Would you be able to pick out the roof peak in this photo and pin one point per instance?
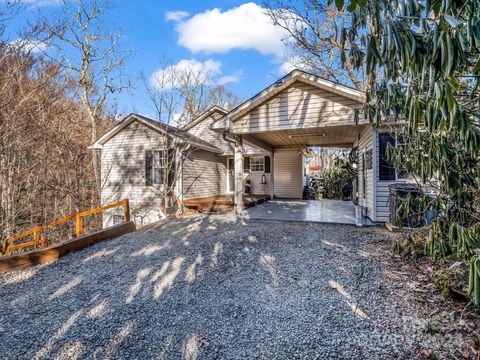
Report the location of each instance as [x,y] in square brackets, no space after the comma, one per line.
[211,110]
[283,83]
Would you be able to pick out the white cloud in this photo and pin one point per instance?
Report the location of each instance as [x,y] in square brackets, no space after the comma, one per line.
[41,2]
[28,45]
[286,67]
[291,63]
[244,27]
[233,78]
[228,79]
[176,15]
[189,72]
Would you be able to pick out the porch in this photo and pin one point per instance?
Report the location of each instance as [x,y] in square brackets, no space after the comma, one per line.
[223,203]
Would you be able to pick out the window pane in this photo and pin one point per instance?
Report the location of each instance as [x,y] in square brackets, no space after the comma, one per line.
[386,169]
[158,176]
[257,164]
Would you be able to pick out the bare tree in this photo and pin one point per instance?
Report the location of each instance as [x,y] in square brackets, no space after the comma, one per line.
[178,96]
[91,56]
[45,166]
[315,30]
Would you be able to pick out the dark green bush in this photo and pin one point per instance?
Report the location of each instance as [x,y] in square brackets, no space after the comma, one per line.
[335,177]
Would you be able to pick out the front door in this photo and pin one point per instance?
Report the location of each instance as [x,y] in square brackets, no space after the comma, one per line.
[231,175]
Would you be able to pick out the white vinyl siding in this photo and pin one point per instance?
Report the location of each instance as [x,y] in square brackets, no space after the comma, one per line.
[288,174]
[204,174]
[203,131]
[123,173]
[366,196]
[299,106]
[256,186]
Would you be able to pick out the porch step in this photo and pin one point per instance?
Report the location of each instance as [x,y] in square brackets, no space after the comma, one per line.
[215,208]
[222,203]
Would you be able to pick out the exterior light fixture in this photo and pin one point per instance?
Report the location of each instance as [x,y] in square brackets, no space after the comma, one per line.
[293,136]
[264,179]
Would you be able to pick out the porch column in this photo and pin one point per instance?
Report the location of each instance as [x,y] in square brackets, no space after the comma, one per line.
[238,160]
[272,179]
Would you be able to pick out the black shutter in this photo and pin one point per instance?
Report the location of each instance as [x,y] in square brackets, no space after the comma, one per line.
[386,169]
[246,164]
[171,168]
[148,168]
[267,164]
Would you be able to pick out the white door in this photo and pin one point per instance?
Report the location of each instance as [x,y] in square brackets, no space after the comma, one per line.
[288,174]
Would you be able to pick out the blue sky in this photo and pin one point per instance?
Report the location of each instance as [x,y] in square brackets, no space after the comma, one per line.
[234,38]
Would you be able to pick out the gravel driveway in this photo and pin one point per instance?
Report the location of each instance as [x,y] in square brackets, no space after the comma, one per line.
[208,287]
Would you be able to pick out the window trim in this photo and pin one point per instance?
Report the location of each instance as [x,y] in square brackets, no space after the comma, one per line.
[255,158]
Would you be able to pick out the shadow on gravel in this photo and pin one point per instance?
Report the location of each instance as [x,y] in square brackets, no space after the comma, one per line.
[210,287]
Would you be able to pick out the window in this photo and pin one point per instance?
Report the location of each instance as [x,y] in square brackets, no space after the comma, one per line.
[401,145]
[158,167]
[117,219]
[386,169]
[246,165]
[257,164]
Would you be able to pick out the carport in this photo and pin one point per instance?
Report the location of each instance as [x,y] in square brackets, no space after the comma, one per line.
[298,111]
[321,211]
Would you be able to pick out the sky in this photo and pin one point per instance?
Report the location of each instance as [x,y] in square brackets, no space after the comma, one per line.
[234,40]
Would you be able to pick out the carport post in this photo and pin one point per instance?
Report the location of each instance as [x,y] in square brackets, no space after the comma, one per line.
[238,160]
[272,179]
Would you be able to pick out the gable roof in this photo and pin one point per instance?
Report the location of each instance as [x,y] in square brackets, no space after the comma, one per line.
[207,113]
[156,126]
[282,84]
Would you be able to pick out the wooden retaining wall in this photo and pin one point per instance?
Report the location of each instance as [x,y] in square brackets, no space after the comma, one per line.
[52,253]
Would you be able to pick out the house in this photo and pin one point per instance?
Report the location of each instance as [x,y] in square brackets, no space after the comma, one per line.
[263,140]
[201,164]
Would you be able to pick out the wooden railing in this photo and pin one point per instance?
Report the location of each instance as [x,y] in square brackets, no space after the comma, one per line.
[38,232]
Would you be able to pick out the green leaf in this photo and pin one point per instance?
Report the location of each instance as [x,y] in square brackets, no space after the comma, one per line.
[476,68]
[453,81]
[373,48]
[339,4]
[450,55]
[453,22]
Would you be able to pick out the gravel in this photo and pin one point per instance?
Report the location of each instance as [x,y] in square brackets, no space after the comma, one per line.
[212,287]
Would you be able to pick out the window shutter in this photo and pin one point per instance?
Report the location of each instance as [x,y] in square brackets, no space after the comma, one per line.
[246,164]
[386,169]
[171,168]
[267,164]
[148,167]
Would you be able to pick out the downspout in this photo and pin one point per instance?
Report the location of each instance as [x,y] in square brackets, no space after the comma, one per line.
[236,143]
[183,157]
